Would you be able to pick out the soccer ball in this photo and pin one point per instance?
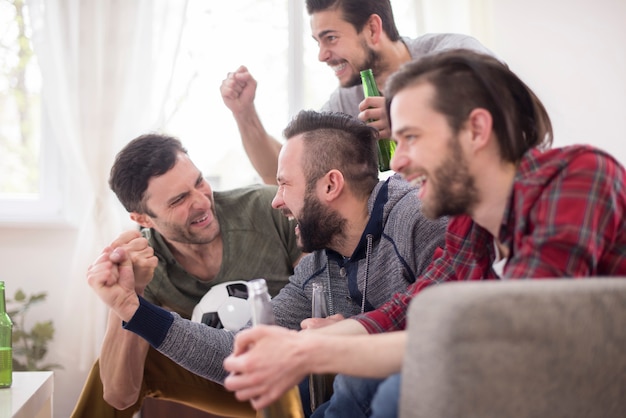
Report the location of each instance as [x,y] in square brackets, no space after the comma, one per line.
[225,306]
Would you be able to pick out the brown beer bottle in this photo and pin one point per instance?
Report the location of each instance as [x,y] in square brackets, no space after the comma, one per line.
[289,405]
[386,147]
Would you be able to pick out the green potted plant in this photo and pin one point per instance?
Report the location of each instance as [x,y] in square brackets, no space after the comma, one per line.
[29,346]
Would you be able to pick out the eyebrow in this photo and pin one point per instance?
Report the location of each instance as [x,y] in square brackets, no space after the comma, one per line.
[183,194]
[401,130]
[323,33]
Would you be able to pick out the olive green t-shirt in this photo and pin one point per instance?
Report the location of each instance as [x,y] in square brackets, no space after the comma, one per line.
[259,242]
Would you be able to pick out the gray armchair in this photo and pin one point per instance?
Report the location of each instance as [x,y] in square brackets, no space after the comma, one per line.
[512,349]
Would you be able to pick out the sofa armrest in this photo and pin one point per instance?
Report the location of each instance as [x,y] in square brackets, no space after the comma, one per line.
[524,348]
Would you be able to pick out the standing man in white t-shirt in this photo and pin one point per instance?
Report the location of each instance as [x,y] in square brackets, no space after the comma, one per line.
[352,35]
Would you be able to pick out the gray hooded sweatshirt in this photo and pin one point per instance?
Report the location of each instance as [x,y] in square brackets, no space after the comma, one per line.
[396,246]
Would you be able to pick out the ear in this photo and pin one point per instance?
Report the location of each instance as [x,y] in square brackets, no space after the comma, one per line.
[142,219]
[479,124]
[373,29]
[331,185]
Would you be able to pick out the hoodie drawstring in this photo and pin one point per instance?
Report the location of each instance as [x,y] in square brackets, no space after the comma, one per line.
[368,252]
[329,295]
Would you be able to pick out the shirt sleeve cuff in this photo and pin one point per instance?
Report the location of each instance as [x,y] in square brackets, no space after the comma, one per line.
[150,322]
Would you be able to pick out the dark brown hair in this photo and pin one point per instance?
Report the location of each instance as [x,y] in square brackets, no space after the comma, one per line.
[465,80]
[357,12]
[141,159]
[337,141]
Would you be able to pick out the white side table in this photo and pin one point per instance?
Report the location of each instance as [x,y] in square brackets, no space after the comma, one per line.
[30,396]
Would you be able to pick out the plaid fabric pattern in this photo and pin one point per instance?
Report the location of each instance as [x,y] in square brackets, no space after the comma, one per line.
[563,219]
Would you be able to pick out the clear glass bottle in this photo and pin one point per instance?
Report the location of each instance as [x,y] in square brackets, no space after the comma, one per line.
[6,352]
[289,405]
[320,385]
[386,147]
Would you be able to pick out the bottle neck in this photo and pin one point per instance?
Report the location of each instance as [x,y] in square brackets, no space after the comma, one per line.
[369,84]
[261,311]
[3,306]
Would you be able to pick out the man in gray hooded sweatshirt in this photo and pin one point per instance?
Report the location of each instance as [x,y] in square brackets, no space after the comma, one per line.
[368,240]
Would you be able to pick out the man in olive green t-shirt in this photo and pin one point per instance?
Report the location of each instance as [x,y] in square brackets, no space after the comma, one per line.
[200,238]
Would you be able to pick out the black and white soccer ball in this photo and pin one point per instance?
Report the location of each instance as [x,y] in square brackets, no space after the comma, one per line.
[225,306]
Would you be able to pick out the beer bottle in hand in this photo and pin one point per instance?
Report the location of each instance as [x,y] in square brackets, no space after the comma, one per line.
[386,146]
[289,405]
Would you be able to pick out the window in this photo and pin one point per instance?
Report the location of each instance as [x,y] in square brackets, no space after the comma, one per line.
[217,39]
[273,39]
[27,169]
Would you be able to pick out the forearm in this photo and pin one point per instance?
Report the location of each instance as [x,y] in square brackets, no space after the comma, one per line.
[346,327]
[261,148]
[365,355]
[198,348]
[345,347]
[122,359]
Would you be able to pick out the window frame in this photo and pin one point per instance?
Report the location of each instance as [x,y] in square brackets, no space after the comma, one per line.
[47,208]
[52,206]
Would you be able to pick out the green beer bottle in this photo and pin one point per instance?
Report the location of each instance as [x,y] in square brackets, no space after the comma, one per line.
[386,147]
[6,353]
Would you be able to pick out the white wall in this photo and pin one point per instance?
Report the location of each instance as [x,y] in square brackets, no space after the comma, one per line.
[36,260]
[572,53]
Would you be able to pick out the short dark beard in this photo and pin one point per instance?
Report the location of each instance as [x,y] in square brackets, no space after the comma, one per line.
[319,225]
[452,185]
[372,61]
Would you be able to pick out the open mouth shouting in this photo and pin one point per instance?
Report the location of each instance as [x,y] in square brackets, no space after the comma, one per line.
[287,214]
[204,220]
[339,68]
[419,182]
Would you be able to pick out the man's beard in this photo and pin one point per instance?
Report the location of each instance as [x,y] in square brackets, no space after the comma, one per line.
[372,61]
[453,188]
[319,225]
[180,234]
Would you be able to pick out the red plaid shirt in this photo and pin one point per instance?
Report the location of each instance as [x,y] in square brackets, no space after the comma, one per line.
[563,219]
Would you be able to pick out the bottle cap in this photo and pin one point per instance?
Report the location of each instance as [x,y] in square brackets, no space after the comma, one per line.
[256,286]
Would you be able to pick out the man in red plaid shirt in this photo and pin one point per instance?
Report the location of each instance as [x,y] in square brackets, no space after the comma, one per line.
[476,139]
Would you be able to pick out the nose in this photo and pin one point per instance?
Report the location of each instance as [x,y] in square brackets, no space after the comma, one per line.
[199,198]
[323,55]
[399,160]
[277,201]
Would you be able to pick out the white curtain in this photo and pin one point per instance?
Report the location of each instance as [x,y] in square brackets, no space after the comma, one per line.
[106,67]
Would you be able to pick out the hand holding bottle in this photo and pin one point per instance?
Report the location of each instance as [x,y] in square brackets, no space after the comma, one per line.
[372,111]
[264,365]
[260,367]
[386,146]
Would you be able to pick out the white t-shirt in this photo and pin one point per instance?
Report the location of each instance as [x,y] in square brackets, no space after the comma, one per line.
[347,99]
[499,262]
